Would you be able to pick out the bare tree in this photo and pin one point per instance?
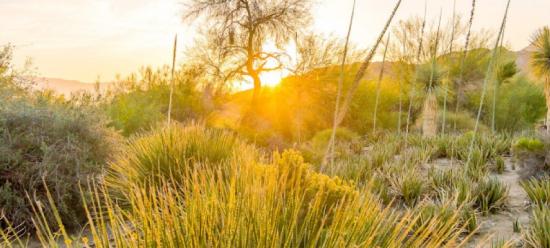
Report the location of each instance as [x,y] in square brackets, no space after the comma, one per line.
[244,27]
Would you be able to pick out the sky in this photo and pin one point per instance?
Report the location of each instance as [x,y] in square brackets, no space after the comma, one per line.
[87,40]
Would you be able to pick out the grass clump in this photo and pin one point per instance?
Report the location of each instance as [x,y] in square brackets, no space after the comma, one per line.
[538,234]
[538,190]
[491,195]
[175,152]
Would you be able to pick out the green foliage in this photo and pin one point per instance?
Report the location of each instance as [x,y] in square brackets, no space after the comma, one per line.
[529,145]
[409,187]
[139,102]
[540,57]
[491,195]
[538,191]
[461,122]
[520,105]
[538,234]
[175,152]
[500,166]
[315,149]
[49,144]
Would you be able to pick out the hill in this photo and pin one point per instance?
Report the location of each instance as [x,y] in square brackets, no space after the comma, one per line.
[66,87]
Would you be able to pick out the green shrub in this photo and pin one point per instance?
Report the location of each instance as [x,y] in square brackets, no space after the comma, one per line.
[315,149]
[538,190]
[461,122]
[53,145]
[525,144]
[538,234]
[139,102]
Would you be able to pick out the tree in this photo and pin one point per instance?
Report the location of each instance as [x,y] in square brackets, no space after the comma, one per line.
[540,62]
[242,28]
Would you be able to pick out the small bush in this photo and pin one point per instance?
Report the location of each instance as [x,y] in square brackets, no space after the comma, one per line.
[525,144]
[538,190]
[315,149]
[53,145]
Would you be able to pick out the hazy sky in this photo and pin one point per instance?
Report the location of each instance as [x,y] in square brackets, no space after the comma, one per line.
[84,39]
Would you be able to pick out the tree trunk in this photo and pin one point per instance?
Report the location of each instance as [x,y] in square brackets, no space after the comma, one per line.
[429,116]
[257,88]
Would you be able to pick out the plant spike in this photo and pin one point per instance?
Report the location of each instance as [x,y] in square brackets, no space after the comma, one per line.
[419,52]
[463,59]
[378,88]
[496,84]
[362,70]
[489,72]
[172,79]
[446,89]
[329,153]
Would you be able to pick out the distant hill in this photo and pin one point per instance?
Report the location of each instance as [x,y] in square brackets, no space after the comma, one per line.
[66,87]
[522,61]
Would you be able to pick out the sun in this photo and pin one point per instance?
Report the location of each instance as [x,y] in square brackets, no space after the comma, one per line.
[271,78]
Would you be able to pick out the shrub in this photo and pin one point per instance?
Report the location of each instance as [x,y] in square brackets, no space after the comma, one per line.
[538,190]
[174,152]
[525,144]
[53,145]
[301,181]
[139,102]
[315,149]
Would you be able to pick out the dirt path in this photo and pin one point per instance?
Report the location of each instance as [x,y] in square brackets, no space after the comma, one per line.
[500,226]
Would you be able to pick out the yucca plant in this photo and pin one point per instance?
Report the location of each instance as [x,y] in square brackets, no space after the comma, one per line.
[540,61]
[538,190]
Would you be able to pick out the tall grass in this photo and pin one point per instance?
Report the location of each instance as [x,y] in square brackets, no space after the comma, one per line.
[238,202]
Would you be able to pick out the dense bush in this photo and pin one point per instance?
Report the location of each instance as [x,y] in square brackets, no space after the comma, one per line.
[54,145]
[141,101]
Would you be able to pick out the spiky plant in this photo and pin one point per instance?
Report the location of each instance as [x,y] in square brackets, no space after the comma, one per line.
[538,191]
[538,234]
[491,195]
[540,61]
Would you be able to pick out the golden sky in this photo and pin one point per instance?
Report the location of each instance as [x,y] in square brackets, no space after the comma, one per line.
[87,39]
